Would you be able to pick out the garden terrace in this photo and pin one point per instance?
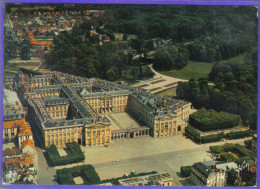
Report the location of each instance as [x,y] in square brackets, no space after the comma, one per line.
[207,120]
[232,152]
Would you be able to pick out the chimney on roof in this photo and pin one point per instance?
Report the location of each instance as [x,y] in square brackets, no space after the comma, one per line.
[57,123]
[74,120]
[164,101]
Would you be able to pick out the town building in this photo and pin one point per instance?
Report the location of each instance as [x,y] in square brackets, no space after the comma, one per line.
[161,179]
[70,108]
[203,175]
[19,167]
[13,109]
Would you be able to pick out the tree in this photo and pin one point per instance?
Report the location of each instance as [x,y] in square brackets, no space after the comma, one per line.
[111,74]
[25,52]
[124,37]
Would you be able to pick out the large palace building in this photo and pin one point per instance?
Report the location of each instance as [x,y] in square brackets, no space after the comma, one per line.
[69,108]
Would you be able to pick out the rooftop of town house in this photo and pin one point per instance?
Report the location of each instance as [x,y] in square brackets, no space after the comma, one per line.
[25,130]
[29,142]
[15,123]
[203,169]
[227,166]
[151,180]
[12,152]
[11,97]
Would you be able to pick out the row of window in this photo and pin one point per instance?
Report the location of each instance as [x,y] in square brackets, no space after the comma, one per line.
[61,136]
[57,143]
[61,130]
[59,114]
[56,108]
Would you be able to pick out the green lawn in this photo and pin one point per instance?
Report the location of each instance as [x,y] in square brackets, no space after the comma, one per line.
[16,66]
[198,70]
[193,70]
[168,93]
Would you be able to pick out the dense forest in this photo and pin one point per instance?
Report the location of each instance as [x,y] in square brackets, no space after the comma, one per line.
[198,33]
[235,89]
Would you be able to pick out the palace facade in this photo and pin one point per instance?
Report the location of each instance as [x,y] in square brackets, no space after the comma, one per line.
[69,108]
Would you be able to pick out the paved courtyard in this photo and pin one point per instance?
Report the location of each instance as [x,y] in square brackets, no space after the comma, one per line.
[122,120]
[143,155]
[140,154]
[62,152]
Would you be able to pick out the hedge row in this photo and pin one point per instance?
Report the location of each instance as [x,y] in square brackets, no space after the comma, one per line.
[206,120]
[114,181]
[227,156]
[204,139]
[75,155]
[87,172]
[239,134]
[217,137]
[235,148]
[185,171]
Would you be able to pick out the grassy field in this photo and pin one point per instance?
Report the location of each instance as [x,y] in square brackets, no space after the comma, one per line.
[15,66]
[198,70]
[193,70]
[168,93]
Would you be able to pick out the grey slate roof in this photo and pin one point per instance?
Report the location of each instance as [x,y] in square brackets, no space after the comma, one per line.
[51,124]
[205,170]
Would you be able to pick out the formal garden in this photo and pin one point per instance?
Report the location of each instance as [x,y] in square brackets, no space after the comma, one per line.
[212,126]
[232,152]
[75,154]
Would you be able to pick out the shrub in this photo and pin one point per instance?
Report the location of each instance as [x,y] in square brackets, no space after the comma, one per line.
[75,155]
[248,143]
[227,156]
[204,139]
[206,120]
[185,171]
[212,138]
[87,172]
[239,134]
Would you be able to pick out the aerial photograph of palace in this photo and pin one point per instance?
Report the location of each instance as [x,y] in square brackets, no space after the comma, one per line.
[130,95]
